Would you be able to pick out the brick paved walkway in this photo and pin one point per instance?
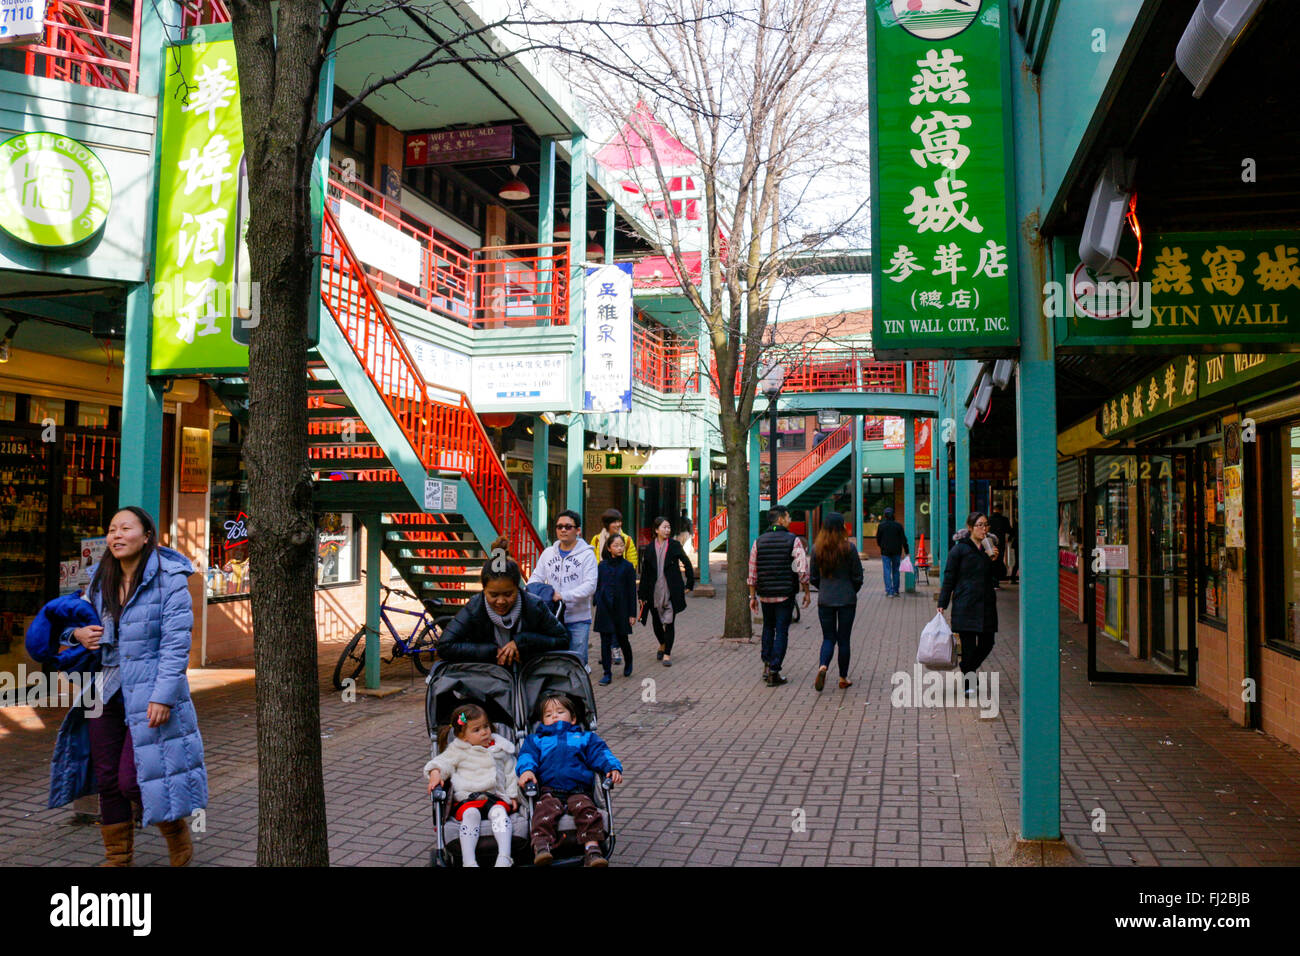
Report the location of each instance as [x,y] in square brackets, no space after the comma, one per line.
[720,767]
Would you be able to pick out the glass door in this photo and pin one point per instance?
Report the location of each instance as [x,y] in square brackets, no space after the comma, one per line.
[1139,567]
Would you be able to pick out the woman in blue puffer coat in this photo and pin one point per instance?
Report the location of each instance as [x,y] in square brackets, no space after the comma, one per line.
[145,745]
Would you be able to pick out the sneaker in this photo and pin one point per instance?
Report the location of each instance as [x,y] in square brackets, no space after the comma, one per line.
[618,657]
[627,671]
[605,679]
[543,857]
[504,861]
[820,682]
[593,858]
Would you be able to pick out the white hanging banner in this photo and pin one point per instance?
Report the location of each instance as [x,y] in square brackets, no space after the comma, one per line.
[380,245]
[22,21]
[607,340]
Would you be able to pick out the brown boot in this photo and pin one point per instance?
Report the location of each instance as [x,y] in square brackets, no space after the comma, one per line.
[179,847]
[119,839]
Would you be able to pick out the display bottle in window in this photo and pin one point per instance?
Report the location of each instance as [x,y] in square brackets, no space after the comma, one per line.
[247,301]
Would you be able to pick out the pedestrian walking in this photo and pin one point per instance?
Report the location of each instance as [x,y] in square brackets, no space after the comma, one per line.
[778,568]
[836,572]
[615,606]
[1000,532]
[893,545]
[569,567]
[968,583]
[666,576]
[144,746]
[612,526]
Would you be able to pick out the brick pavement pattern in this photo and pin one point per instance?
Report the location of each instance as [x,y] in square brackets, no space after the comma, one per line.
[722,770]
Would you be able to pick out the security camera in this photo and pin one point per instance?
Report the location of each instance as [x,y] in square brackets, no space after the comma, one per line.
[1213,31]
[1104,227]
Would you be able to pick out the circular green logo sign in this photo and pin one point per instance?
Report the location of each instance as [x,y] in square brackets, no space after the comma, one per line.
[54,192]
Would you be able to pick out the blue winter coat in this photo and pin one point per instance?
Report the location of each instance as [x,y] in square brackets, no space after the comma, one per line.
[153,639]
[564,756]
[46,632]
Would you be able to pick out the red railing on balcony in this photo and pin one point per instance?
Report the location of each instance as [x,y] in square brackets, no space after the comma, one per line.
[86,44]
[445,436]
[810,462]
[664,362]
[846,370]
[717,524]
[492,287]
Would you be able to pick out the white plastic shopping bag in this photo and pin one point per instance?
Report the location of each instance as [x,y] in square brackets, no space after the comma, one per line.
[938,648]
[906,566]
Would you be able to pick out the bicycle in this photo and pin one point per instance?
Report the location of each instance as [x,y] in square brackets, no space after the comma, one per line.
[420,646]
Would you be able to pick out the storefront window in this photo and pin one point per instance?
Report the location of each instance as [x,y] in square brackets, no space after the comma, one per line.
[227,518]
[336,549]
[40,408]
[1213,553]
[1282,539]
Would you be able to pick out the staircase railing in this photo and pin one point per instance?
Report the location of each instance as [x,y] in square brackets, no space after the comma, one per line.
[810,462]
[76,48]
[717,524]
[446,437]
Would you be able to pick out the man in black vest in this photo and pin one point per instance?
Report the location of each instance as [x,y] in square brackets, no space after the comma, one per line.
[778,567]
[892,540]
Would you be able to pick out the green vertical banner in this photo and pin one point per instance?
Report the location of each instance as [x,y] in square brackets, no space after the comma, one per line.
[204,305]
[942,265]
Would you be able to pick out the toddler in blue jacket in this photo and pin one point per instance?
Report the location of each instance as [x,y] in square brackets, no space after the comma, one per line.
[561,757]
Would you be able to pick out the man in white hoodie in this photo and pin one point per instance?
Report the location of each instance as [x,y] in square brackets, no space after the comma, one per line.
[569,567]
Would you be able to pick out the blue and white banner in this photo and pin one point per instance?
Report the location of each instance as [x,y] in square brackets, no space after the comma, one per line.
[607,340]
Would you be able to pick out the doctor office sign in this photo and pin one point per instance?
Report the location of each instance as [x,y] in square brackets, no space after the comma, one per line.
[943,261]
[54,191]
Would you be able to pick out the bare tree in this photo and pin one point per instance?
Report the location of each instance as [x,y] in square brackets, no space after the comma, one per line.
[282,55]
[768,97]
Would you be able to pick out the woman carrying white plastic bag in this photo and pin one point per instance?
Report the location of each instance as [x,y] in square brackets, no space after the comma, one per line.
[938,649]
[968,581]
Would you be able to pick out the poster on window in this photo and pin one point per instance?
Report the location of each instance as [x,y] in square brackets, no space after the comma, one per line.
[894,435]
[1233,520]
[607,340]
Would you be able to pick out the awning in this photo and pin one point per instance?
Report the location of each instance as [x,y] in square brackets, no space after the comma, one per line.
[667,463]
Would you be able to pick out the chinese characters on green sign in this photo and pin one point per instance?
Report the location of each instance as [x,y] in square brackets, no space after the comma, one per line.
[203,301]
[942,272]
[1198,289]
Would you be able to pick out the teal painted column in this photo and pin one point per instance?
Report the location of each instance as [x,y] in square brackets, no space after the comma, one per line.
[856,464]
[938,496]
[142,410]
[629,512]
[546,191]
[755,503]
[374,548]
[541,462]
[609,232]
[704,509]
[909,490]
[574,445]
[961,454]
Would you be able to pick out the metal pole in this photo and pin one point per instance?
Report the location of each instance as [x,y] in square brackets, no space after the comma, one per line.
[772,501]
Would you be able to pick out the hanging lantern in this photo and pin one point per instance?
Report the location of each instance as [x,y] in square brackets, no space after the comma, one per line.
[497,419]
[514,189]
[562,228]
[594,249]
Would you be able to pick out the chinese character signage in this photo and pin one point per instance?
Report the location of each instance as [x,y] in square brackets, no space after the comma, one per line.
[460,145]
[378,244]
[1169,387]
[607,340]
[924,428]
[942,261]
[1192,289]
[54,191]
[201,313]
[520,382]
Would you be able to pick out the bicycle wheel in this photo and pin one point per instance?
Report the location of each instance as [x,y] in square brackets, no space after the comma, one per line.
[352,661]
[422,648]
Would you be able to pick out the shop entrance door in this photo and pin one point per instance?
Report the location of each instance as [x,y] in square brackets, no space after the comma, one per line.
[1141,603]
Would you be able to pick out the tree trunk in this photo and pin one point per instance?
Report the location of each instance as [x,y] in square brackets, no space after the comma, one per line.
[277,86]
[737,625]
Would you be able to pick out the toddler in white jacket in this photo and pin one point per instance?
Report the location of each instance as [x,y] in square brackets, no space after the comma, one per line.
[481,768]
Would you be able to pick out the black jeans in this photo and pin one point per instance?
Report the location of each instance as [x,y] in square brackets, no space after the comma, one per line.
[776,632]
[975,647]
[606,651]
[836,622]
[665,632]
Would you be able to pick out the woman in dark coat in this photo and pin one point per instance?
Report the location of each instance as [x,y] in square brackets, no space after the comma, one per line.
[836,572]
[665,591]
[969,582]
[504,624]
[615,605]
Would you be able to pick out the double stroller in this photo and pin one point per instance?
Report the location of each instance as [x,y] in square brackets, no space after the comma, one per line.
[511,697]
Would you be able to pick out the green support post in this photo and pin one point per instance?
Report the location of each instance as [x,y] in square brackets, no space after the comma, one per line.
[704,513]
[755,503]
[374,548]
[546,191]
[630,527]
[609,232]
[909,490]
[574,445]
[858,516]
[938,495]
[961,479]
[541,461]
[142,410]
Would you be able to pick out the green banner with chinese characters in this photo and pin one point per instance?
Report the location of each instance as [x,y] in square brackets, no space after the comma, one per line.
[203,301]
[1169,387]
[943,270]
[1193,289]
